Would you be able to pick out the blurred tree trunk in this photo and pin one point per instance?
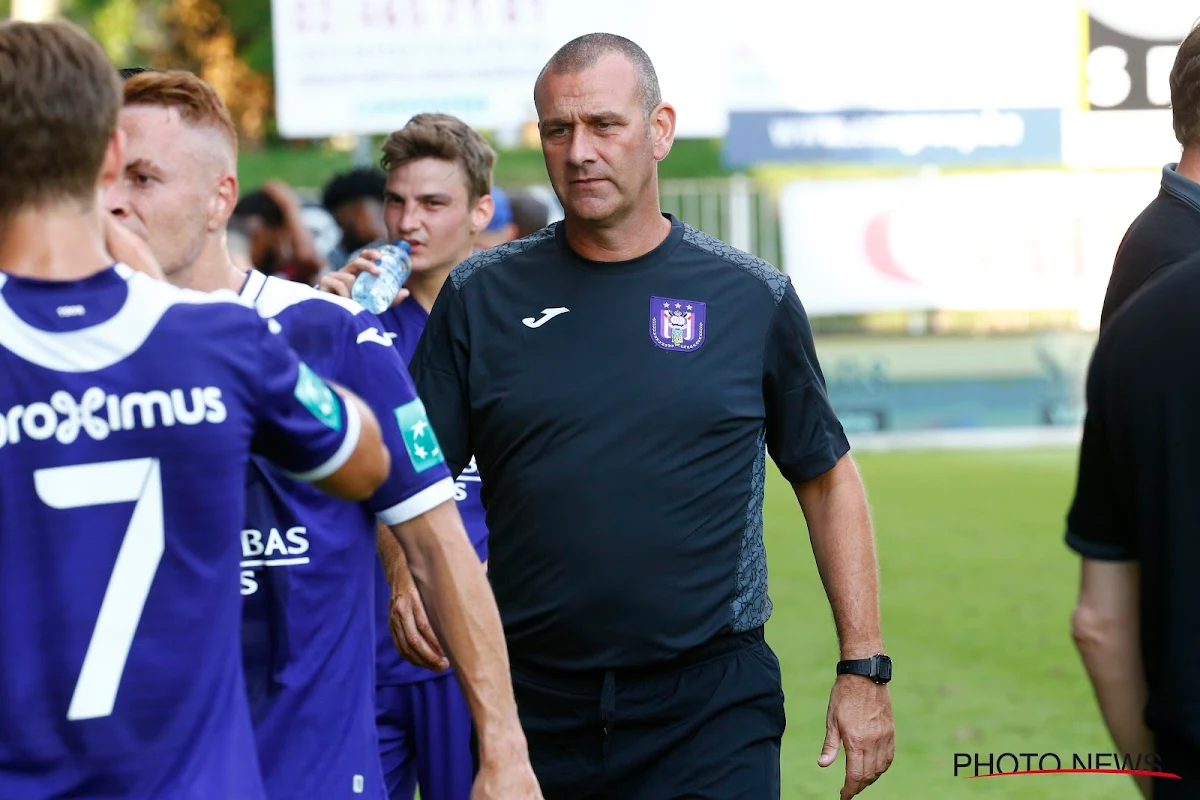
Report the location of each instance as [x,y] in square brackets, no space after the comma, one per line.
[205,40]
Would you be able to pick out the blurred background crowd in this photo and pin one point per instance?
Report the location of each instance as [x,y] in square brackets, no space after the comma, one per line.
[945,187]
[301,234]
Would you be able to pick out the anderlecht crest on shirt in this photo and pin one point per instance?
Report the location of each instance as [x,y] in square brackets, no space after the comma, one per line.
[677,324]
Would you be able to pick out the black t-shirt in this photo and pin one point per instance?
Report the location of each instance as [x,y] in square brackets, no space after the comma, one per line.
[1138,493]
[1164,234]
[618,414]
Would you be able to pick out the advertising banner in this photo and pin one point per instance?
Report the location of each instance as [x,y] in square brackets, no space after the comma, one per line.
[366,66]
[1006,241]
[1021,137]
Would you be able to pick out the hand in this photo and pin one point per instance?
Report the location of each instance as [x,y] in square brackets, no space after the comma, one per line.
[512,779]
[859,717]
[411,632]
[309,263]
[342,281]
[124,246]
[281,193]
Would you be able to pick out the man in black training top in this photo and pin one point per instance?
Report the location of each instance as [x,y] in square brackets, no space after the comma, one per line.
[1135,521]
[619,377]
[1168,230]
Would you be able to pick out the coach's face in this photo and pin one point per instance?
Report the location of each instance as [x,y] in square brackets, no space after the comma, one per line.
[175,189]
[427,204]
[601,148]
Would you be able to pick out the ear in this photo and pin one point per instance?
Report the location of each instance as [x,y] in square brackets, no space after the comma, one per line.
[481,215]
[222,202]
[662,130]
[113,165]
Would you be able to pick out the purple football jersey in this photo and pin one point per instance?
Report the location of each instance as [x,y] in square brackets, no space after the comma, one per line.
[404,324]
[309,560]
[128,413]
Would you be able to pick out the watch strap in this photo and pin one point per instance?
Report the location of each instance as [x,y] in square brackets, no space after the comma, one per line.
[878,668]
[855,666]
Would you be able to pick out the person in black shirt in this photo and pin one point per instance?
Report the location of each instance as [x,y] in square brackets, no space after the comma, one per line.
[620,378]
[1168,230]
[1135,520]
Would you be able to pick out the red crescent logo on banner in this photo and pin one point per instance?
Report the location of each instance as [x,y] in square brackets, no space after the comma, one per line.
[877,249]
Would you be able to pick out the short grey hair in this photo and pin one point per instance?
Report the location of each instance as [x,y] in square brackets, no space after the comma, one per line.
[583,52]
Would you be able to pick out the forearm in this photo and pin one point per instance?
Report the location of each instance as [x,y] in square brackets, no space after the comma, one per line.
[1106,629]
[843,544]
[1114,667]
[462,610]
[292,211]
[304,250]
[391,555]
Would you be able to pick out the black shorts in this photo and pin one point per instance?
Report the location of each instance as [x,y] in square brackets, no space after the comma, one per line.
[708,726]
[1182,760]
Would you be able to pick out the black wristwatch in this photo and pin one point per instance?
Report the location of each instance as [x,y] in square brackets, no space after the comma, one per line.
[877,668]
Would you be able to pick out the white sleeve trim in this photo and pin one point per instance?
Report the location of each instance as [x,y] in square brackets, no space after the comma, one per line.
[427,499]
[339,458]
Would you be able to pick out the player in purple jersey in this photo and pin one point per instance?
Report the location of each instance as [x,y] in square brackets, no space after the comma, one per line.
[308,563]
[128,412]
[438,199]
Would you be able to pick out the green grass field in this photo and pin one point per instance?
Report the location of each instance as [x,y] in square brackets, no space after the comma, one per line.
[977,590]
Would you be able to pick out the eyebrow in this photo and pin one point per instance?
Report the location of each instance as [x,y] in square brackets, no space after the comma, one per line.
[588,119]
[143,164]
[420,198]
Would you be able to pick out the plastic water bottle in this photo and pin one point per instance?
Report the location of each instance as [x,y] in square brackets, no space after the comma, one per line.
[376,292]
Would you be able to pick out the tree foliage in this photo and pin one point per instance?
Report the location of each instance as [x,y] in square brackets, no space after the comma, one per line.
[207,40]
[226,42]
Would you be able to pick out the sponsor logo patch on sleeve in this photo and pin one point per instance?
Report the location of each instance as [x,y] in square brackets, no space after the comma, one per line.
[419,439]
[315,395]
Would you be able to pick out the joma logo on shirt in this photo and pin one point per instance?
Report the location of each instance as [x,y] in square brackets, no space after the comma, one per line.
[271,549]
[98,414]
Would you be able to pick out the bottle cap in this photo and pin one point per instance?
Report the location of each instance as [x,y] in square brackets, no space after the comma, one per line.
[403,245]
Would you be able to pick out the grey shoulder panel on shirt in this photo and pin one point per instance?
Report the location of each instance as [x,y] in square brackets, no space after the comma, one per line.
[495,255]
[775,280]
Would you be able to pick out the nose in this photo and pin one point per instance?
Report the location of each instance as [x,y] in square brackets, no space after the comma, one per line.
[581,151]
[116,200]
[410,219]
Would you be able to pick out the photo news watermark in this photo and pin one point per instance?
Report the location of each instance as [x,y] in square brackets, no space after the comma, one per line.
[989,765]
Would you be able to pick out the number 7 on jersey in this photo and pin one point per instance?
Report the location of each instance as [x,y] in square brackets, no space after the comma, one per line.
[129,585]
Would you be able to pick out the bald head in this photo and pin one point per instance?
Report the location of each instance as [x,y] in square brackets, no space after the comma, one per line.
[586,51]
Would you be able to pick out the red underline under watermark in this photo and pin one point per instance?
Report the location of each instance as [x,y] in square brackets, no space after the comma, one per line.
[1138,772]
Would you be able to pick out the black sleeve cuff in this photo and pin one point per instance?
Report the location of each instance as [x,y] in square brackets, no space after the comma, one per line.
[816,464]
[1098,551]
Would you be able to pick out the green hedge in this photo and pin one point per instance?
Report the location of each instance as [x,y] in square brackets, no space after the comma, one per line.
[309,166]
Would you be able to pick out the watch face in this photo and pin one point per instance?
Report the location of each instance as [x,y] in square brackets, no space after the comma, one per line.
[883,668]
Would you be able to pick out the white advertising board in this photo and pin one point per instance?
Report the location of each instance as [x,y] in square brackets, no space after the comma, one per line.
[366,66]
[1017,240]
